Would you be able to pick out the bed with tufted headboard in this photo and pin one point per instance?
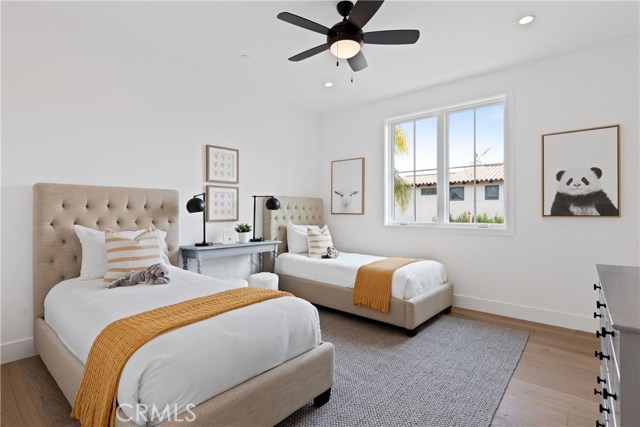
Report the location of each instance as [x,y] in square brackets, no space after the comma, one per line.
[406,313]
[57,253]
[264,399]
[299,210]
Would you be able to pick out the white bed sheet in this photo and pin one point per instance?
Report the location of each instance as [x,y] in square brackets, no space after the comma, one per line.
[191,364]
[408,281]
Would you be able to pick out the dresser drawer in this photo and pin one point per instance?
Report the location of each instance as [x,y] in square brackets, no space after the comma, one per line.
[618,312]
[605,317]
[613,416]
[606,354]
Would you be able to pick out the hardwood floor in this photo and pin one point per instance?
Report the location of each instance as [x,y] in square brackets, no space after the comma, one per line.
[554,380]
[551,387]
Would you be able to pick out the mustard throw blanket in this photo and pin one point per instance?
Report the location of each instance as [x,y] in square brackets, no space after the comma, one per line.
[95,404]
[373,283]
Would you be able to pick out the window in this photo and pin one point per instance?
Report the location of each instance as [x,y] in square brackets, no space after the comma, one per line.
[446,153]
[492,192]
[456,193]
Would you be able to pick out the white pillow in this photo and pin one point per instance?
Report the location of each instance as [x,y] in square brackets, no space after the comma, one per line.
[318,241]
[297,237]
[94,250]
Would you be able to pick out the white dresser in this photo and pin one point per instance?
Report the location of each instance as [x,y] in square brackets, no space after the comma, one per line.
[618,308]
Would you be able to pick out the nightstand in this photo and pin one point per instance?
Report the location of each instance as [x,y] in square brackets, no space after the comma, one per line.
[218,250]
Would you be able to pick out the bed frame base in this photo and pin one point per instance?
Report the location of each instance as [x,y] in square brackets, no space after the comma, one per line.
[414,331]
[408,314]
[263,400]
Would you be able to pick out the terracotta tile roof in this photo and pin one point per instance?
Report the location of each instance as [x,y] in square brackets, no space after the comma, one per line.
[484,173]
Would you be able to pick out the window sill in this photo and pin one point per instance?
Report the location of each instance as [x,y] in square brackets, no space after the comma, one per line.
[457,229]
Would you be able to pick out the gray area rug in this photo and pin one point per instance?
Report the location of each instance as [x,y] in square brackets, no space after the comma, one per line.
[452,373]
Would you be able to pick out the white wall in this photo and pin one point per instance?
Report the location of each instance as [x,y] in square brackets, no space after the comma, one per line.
[82,109]
[545,271]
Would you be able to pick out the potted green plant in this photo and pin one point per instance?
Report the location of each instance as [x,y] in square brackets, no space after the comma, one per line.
[244,232]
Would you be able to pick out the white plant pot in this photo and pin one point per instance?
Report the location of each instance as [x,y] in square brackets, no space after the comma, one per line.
[244,237]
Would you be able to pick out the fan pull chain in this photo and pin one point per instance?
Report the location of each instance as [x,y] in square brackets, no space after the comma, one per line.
[337,55]
[351,76]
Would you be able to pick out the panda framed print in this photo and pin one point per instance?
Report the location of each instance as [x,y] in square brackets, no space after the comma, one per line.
[581,172]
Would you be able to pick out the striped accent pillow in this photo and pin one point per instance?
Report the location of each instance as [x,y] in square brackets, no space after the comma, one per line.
[318,241]
[126,254]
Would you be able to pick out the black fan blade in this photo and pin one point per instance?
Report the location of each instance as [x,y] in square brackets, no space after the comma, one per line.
[309,53]
[392,37]
[363,11]
[303,22]
[357,62]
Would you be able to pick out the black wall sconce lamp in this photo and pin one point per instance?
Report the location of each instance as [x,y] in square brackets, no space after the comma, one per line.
[196,204]
[271,204]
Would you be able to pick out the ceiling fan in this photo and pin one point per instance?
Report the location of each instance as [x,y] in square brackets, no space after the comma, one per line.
[345,39]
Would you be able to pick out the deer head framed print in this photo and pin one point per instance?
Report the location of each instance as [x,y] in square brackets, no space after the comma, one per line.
[347,186]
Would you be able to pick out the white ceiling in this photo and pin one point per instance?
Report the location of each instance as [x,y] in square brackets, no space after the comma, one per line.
[457,39]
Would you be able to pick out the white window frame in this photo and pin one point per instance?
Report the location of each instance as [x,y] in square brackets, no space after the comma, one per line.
[443,183]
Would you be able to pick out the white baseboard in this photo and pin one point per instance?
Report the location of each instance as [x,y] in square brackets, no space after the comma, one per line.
[18,349]
[524,312]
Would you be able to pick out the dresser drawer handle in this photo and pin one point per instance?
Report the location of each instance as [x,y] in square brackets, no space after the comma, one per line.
[599,304]
[603,409]
[599,424]
[601,355]
[605,393]
[600,380]
[603,333]
[596,315]
[596,287]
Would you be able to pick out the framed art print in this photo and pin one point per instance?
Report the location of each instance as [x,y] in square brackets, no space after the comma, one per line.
[222,164]
[347,186]
[222,203]
[581,172]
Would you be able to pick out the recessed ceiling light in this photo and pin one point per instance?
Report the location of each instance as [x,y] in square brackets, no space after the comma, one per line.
[328,84]
[528,19]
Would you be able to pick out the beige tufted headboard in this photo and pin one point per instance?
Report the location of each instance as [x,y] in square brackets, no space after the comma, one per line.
[58,207]
[298,210]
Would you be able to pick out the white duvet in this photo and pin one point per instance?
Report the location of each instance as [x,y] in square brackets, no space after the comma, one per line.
[408,281]
[191,364]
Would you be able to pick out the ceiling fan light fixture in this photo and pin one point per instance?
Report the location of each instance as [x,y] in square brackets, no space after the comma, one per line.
[345,48]
[346,38]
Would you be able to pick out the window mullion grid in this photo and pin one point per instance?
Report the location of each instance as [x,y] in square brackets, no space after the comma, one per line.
[443,153]
[391,164]
[415,195]
[475,160]
[442,186]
